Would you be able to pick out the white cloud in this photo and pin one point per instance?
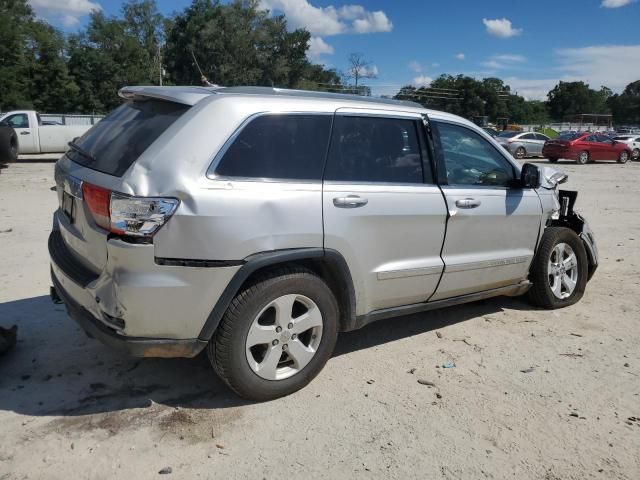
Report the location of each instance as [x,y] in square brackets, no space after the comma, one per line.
[415,66]
[501,28]
[318,47]
[614,66]
[615,3]
[422,81]
[435,65]
[503,61]
[460,56]
[330,20]
[67,12]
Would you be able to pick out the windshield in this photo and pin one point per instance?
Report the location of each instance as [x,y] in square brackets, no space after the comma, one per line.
[117,141]
[508,134]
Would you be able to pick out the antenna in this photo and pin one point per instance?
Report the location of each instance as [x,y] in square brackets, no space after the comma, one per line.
[204,79]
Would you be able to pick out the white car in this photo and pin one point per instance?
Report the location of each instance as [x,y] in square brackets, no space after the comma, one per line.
[634,144]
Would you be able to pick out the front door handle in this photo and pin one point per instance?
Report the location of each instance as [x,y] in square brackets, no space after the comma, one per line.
[25,133]
[468,203]
[350,201]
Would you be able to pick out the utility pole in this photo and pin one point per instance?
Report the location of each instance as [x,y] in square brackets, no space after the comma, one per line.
[159,65]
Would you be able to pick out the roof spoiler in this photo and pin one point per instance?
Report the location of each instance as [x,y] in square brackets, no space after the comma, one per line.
[184,95]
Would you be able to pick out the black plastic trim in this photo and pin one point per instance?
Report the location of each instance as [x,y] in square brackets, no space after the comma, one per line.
[188,262]
[64,259]
[383,314]
[266,259]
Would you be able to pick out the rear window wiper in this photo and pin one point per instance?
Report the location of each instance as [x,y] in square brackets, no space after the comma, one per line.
[82,151]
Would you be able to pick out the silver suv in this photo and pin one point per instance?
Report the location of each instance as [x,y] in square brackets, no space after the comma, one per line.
[257,223]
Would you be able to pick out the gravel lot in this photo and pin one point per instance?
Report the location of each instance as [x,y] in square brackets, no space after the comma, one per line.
[72,408]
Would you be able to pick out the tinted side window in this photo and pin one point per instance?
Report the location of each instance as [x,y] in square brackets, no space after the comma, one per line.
[279,146]
[374,149]
[528,136]
[469,159]
[603,139]
[544,138]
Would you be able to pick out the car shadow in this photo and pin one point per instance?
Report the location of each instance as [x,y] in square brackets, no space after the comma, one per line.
[56,370]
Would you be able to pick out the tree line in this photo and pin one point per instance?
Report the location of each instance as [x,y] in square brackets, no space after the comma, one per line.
[230,44]
[491,97]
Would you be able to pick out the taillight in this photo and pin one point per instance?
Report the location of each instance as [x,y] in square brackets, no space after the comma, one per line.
[127,215]
[97,200]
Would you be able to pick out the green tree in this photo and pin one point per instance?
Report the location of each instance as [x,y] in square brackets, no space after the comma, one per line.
[574,98]
[236,44]
[50,86]
[625,107]
[113,52]
[15,19]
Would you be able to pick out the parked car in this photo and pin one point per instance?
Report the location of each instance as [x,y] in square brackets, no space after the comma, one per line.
[257,223]
[634,144]
[586,147]
[38,137]
[491,131]
[522,144]
[8,143]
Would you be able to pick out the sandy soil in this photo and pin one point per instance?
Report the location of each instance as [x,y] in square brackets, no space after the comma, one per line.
[71,408]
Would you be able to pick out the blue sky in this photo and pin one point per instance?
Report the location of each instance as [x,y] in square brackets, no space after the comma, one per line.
[531,45]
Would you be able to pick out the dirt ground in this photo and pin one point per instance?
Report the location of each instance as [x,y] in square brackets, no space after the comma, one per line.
[534,394]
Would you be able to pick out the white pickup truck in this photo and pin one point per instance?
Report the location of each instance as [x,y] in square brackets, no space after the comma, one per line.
[46,134]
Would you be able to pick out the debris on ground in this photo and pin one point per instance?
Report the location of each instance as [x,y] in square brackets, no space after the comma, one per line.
[528,370]
[438,334]
[165,471]
[422,381]
[371,381]
[411,370]
[448,365]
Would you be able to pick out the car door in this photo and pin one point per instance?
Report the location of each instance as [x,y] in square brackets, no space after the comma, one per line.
[26,137]
[607,147]
[492,227]
[540,141]
[528,141]
[382,209]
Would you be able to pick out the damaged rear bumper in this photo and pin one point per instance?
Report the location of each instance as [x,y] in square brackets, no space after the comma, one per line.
[135,346]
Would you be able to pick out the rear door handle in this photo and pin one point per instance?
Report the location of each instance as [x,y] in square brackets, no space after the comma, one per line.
[350,201]
[468,203]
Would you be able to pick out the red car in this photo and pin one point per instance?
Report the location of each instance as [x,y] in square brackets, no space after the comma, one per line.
[586,147]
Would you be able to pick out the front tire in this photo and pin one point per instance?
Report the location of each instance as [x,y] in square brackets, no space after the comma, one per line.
[520,153]
[559,270]
[276,335]
[624,157]
[635,155]
[583,158]
[553,160]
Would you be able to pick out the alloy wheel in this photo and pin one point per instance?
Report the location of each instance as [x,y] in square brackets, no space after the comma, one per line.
[284,337]
[583,158]
[562,271]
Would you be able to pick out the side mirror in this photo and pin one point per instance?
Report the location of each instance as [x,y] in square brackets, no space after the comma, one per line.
[530,176]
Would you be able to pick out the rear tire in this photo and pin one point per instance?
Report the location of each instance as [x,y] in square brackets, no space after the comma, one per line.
[553,160]
[274,306]
[583,158]
[635,155]
[520,153]
[624,157]
[559,270]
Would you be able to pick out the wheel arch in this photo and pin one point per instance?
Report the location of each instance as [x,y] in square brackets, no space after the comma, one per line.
[328,264]
[575,222]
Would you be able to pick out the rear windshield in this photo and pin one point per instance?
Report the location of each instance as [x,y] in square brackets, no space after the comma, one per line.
[117,140]
[569,136]
[507,134]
